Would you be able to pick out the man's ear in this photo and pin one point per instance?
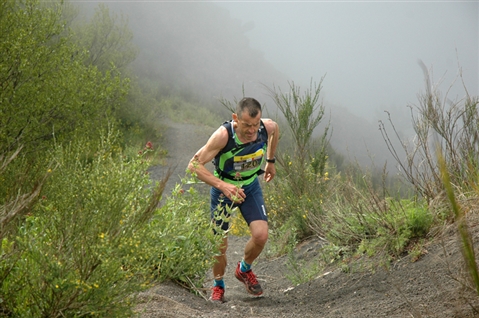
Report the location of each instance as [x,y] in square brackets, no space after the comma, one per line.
[235,117]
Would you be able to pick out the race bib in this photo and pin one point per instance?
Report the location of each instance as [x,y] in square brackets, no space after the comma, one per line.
[248,162]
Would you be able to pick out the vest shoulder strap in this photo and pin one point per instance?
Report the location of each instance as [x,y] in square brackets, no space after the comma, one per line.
[232,144]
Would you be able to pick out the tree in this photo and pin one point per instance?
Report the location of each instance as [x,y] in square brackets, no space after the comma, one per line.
[46,90]
[108,40]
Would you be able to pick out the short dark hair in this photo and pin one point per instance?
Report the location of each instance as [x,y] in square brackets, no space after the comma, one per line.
[249,104]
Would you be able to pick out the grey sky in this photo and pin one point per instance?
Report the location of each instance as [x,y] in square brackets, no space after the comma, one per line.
[369,51]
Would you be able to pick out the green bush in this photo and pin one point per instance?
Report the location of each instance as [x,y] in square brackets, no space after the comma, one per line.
[362,220]
[47,91]
[300,184]
[72,258]
[97,237]
[180,240]
[298,200]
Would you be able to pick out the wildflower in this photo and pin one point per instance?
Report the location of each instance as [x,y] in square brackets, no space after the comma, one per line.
[44,197]
[149,145]
[290,163]
[140,152]
[49,170]
[102,235]
[181,191]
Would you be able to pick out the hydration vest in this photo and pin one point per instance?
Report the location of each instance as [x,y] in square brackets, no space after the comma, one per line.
[241,162]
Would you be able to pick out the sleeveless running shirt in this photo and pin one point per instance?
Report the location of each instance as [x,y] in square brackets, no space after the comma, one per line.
[241,162]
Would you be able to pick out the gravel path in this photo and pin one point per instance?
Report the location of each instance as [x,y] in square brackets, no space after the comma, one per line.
[182,140]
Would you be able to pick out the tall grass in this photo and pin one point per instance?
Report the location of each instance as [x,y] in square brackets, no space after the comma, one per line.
[465,236]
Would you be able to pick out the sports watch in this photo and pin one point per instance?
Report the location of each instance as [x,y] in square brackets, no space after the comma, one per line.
[271,160]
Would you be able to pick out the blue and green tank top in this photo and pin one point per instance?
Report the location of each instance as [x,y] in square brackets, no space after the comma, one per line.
[240,163]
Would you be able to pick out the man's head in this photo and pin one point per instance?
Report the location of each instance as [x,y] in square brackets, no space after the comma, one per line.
[247,119]
[249,105]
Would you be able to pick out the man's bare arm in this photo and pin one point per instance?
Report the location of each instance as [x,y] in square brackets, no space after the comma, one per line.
[206,154]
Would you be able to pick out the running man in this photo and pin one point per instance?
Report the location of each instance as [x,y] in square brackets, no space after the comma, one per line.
[238,149]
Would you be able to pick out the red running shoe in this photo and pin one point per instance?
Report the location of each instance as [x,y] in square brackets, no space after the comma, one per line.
[217,294]
[248,278]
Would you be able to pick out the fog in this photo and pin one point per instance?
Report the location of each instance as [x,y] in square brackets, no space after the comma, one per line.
[367,52]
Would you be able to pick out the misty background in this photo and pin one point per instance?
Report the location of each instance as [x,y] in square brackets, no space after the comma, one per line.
[367,52]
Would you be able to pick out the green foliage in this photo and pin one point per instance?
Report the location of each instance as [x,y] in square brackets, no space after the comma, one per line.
[300,185]
[141,114]
[180,238]
[300,271]
[283,237]
[181,110]
[303,112]
[46,90]
[465,235]
[107,39]
[96,237]
[359,218]
[78,246]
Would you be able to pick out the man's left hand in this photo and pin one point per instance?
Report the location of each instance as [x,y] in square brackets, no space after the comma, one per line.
[269,172]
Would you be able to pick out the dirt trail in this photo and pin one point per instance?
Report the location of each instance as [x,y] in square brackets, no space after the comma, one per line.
[424,288]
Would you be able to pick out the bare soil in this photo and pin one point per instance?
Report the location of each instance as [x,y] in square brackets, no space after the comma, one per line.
[435,285]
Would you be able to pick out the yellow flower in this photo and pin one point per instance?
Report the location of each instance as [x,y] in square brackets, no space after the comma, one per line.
[102,235]
[49,170]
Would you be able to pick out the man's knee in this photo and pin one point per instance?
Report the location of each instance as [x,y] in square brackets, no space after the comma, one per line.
[259,232]
[261,238]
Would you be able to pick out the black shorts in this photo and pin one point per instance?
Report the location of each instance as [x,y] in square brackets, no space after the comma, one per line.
[252,208]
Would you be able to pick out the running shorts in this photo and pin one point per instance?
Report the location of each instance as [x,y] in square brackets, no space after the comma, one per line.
[252,208]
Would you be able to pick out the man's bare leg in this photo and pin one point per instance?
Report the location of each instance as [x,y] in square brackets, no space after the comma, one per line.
[219,267]
[255,245]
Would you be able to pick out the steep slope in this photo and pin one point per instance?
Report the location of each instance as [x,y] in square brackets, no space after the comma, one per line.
[429,287]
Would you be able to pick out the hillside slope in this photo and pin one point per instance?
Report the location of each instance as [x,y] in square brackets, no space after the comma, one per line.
[428,287]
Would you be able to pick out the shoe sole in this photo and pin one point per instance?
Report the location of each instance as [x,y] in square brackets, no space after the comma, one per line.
[217,301]
[246,286]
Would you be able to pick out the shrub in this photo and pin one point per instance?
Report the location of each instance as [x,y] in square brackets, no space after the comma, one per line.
[77,248]
[300,183]
[438,121]
[358,218]
[180,240]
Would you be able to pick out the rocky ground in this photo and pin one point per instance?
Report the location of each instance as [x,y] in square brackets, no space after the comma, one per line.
[432,286]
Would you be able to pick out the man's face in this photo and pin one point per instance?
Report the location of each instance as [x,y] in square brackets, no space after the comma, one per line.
[247,128]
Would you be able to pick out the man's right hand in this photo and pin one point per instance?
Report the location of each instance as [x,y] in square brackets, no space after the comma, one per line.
[232,192]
